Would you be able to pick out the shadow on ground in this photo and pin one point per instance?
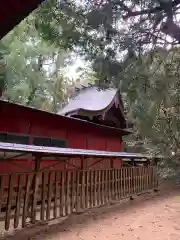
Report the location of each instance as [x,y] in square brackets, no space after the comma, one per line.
[96,214]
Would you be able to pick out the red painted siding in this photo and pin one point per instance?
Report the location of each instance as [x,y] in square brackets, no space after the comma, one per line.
[13,119]
[79,134]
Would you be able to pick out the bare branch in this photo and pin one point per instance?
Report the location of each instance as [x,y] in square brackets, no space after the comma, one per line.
[171,29]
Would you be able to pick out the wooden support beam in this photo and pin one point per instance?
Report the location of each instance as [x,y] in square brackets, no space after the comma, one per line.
[132,161]
[35,185]
[82,163]
[13,157]
[111,163]
[154,161]
[98,161]
[37,164]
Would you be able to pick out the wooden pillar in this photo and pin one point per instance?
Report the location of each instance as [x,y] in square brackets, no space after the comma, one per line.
[37,164]
[111,163]
[132,162]
[35,185]
[29,132]
[155,163]
[147,163]
[82,163]
[132,175]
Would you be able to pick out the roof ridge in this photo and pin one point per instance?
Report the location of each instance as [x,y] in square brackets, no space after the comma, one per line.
[89,85]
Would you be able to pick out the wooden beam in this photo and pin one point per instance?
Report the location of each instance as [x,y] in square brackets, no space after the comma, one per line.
[111,163]
[35,185]
[82,162]
[37,164]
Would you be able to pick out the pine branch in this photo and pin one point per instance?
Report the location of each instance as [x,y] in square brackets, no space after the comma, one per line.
[131,13]
[169,27]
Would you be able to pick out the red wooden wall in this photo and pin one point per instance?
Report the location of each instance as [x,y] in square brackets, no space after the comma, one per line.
[79,134]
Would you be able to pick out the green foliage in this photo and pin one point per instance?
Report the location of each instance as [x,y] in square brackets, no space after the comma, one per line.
[31,69]
[153,99]
[83,29]
[109,33]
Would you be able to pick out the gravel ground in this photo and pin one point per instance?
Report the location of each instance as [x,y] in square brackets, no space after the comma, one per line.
[155,217]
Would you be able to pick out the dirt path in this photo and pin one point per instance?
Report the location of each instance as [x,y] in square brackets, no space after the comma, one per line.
[148,218]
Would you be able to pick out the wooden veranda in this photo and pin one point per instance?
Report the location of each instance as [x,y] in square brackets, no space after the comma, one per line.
[44,194]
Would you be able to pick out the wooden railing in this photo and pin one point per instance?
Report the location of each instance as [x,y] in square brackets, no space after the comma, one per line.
[30,197]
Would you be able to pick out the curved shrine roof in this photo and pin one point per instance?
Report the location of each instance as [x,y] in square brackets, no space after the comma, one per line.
[92,100]
[102,106]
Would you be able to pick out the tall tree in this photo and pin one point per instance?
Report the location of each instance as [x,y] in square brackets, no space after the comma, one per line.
[109,33]
[30,67]
[152,92]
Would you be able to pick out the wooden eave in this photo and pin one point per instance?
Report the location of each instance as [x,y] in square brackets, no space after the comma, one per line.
[12,12]
[5,103]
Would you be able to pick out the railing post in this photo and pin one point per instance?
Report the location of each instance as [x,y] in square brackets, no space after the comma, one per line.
[156,187]
[132,178]
[35,188]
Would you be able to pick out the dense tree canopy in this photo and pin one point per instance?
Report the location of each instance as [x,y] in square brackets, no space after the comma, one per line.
[32,71]
[106,30]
